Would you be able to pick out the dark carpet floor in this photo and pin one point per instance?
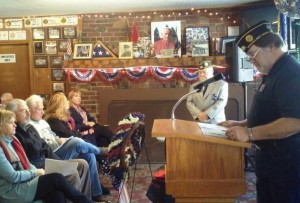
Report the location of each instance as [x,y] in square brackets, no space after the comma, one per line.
[142,180]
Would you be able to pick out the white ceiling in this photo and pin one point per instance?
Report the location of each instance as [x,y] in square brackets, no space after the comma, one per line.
[26,8]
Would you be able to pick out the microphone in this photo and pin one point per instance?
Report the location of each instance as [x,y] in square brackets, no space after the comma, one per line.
[217,77]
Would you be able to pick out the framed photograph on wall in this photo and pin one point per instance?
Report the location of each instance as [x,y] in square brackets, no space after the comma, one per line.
[40,61]
[82,51]
[197,41]
[38,47]
[58,87]
[125,50]
[45,97]
[38,33]
[62,45]
[57,74]
[56,61]
[53,33]
[166,35]
[69,32]
[51,47]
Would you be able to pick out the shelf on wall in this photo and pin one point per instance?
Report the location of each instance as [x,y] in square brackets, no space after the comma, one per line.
[122,63]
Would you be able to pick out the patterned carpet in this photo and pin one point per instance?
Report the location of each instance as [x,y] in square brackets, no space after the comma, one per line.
[142,181]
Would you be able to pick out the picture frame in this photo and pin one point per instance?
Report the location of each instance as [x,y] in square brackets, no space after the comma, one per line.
[53,33]
[51,47]
[166,35]
[56,61]
[62,45]
[45,97]
[40,61]
[223,42]
[197,41]
[69,32]
[58,87]
[38,33]
[100,51]
[291,34]
[82,51]
[58,75]
[67,57]
[38,47]
[125,50]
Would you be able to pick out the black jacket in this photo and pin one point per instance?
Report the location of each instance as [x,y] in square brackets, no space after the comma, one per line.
[35,147]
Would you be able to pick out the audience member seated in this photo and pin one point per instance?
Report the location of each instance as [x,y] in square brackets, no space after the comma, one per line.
[5,98]
[91,131]
[37,150]
[22,182]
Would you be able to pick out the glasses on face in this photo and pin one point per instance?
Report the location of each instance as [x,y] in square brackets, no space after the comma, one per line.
[250,58]
[23,110]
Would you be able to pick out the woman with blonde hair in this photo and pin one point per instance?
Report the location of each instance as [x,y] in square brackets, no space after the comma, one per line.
[20,181]
[91,131]
[57,115]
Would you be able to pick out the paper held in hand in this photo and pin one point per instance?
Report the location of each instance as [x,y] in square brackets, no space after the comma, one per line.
[213,129]
[60,166]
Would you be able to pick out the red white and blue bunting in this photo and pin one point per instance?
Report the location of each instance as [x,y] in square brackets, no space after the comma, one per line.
[134,73]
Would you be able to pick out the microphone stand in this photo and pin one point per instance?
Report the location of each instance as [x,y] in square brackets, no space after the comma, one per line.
[180,100]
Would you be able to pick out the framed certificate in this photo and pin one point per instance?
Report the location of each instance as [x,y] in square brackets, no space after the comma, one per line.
[38,33]
[54,33]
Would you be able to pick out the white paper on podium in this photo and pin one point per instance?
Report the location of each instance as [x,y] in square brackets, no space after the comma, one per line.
[60,166]
[213,129]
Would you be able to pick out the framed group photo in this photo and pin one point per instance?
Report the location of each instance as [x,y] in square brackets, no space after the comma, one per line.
[57,74]
[40,61]
[166,37]
[54,33]
[38,33]
[125,50]
[56,61]
[82,51]
[58,87]
[197,41]
[69,32]
[62,45]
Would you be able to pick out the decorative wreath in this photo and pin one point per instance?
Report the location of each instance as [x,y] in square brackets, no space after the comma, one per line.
[126,146]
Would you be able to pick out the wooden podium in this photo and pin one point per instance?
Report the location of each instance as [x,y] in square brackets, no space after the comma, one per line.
[200,168]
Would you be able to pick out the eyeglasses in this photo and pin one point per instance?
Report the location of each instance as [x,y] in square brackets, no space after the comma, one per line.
[251,58]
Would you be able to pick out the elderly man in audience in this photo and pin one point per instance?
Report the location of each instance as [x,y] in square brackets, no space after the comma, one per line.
[37,149]
[5,98]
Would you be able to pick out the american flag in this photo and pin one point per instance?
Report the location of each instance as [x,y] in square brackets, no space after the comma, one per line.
[69,47]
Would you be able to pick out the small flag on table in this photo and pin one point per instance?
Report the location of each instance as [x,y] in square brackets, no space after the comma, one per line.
[69,47]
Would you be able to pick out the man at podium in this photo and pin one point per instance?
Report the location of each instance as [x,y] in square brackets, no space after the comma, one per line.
[273,123]
[208,105]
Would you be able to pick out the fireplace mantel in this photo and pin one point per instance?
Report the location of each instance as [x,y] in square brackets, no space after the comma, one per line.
[121,63]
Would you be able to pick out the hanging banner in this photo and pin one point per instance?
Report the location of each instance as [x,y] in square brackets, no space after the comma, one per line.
[135,74]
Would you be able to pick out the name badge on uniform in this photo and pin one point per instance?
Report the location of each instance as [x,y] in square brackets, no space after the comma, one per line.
[262,87]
